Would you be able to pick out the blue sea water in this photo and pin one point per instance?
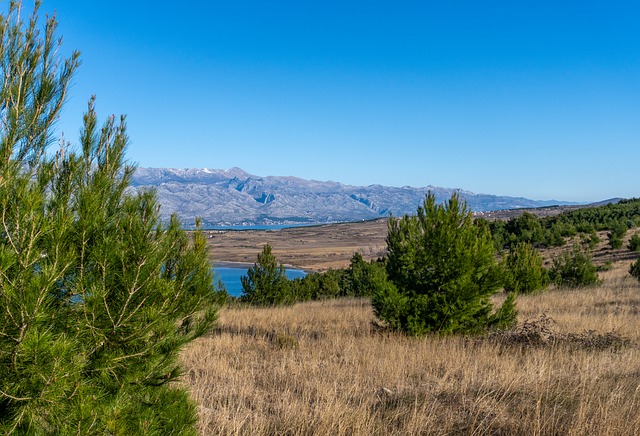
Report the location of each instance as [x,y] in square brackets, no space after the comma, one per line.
[230,276]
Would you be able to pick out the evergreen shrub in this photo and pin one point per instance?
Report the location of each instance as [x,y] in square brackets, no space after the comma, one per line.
[523,270]
[441,273]
[266,283]
[97,295]
[574,268]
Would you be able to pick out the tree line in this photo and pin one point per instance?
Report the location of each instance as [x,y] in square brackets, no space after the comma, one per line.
[551,231]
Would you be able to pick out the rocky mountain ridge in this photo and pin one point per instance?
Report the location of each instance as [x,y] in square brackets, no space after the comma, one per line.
[234,197]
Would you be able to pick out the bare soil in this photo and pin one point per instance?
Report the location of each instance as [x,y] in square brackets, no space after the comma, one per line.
[314,248]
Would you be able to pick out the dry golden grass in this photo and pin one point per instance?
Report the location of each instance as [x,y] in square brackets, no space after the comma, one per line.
[321,368]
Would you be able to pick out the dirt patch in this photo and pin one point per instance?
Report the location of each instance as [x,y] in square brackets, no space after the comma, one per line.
[315,248]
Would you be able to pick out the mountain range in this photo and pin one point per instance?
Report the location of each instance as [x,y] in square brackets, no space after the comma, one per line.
[234,197]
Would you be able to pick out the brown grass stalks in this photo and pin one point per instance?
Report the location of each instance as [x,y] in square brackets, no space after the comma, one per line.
[322,368]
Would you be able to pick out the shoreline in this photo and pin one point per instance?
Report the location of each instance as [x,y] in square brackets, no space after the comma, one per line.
[230,264]
[247,265]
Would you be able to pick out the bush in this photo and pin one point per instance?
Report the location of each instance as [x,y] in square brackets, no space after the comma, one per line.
[585,227]
[607,266]
[266,283]
[97,296]
[634,242]
[361,278]
[301,288]
[325,285]
[634,270]
[591,240]
[574,269]
[615,241]
[441,272]
[220,294]
[616,234]
[523,270]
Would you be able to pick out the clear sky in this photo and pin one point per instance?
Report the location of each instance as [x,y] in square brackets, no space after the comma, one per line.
[525,98]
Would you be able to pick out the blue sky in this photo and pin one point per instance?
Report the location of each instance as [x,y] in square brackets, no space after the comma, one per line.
[536,99]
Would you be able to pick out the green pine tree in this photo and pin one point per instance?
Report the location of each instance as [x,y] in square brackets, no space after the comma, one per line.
[362,278]
[574,269]
[97,296]
[441,273]
[266,283]
[634,243]
[523,270]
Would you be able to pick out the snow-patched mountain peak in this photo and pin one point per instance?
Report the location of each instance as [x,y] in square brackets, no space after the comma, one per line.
[233,196]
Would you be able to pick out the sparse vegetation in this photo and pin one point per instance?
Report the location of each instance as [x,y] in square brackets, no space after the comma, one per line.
[590,240]
[575,268]
[568,367]
[616,234]
[634,270]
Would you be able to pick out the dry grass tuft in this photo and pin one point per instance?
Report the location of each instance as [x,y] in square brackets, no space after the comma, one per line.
[322,368]
[542,333]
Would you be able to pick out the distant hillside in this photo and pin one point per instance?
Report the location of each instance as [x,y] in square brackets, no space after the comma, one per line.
[235,197]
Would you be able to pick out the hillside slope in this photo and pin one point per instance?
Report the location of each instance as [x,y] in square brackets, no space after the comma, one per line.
[235,197]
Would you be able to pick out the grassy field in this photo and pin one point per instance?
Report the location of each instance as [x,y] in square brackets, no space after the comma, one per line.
[571,367]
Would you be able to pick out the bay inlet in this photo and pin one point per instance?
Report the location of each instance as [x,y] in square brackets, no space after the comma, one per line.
[230,274]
